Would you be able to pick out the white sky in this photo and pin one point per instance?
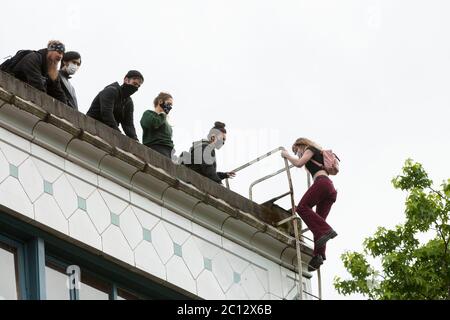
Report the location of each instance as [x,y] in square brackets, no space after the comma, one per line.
[368,78]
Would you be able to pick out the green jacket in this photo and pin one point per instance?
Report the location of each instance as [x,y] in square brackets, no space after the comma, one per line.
[156,129]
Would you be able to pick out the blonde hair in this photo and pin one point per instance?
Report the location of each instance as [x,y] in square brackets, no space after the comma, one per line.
[304,142]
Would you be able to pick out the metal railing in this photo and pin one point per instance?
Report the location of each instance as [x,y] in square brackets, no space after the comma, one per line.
[297,222]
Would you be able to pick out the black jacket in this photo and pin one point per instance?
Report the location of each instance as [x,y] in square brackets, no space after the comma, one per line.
[207,168]
[111,108]
[32,69]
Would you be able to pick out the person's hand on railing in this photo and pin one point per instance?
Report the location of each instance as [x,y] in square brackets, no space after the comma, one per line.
[231,175]
[284,153]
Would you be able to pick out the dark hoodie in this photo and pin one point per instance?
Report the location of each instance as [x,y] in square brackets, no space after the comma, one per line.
[32,69]
[205,168]
[112,108]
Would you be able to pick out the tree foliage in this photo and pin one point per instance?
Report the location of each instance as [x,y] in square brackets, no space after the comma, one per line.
[410,269]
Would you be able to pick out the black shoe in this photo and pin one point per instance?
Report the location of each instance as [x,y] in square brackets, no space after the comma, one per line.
[315,263]
[327,236]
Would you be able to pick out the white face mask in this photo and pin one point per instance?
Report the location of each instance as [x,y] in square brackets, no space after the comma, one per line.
[71,68]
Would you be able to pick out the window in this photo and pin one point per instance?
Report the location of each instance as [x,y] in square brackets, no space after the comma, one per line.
[56,283]
[9,275]
[93,289]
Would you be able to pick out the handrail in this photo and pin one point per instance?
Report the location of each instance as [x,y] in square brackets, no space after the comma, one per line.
[295,218]
[250,192]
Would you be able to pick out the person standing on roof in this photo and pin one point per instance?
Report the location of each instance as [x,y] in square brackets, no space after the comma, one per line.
[321,195]
[157,132]
[202,157]
[40,69]
[113,105]
[69,66]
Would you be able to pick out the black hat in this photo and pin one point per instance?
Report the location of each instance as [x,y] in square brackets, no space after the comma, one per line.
[71,55]
[134,74]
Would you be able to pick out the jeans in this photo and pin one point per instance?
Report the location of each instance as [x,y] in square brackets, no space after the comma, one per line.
[322,195]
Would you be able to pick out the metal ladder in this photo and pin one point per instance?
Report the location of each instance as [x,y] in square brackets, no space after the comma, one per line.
[297,222]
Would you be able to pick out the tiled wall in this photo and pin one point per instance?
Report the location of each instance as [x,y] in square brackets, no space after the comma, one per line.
[79,203]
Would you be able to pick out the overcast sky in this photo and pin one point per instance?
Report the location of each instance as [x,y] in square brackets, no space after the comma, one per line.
[369,79]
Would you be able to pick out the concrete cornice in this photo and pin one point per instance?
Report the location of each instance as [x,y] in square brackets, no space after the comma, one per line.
[45,121]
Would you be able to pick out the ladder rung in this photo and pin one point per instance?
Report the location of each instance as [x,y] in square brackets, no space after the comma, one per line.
[279,197]
[287,220]
[304,230]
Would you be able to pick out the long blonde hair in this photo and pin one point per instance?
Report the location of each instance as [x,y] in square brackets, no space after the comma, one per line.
[304,142]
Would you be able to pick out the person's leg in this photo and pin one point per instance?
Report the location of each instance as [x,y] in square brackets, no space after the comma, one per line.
[323,209]
[315,222]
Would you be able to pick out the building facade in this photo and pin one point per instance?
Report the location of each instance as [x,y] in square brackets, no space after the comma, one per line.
[87,213]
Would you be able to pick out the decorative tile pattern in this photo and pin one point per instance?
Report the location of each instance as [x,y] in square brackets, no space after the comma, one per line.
[30,179]
[115,219]
[48,212]
[81,228]
[162,242]
[115,244]
[131,228]
[208,287]
[147,220]
[236,277]
[251,285]
[178,274]
[207,264]
[222,271]
[13,196]
[98,213]
[193,257]
[177,250]
[48,187]
[147,235]
[12,154]
[65,196]
[4,167]
[148,260]
[13,171]
[82,203]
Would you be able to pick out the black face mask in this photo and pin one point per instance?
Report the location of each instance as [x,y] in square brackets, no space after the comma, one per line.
[128,89]
[166,107]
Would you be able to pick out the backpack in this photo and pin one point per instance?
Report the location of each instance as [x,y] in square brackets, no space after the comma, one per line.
[330,162]
[9,64]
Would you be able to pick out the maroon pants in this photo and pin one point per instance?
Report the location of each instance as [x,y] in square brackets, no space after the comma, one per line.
[322,195]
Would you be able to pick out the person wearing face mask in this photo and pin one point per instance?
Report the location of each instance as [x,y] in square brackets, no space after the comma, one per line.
[113,105]
[40,68]
[69,66]
[203,154]
[157,132]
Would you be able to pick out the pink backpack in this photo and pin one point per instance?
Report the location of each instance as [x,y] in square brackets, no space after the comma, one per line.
[330,162]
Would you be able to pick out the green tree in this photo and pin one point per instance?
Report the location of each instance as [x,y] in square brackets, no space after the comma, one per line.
[410,269]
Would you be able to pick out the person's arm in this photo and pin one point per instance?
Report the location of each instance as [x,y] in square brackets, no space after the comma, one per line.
[30,66]
[225,175]
[106,100]
[153,120]
[128,122]
[298,162]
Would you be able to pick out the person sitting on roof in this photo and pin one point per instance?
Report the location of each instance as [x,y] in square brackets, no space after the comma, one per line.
[113,105]
[157,132]
[321,195]
[39,68]
[69,66]
[202,155]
